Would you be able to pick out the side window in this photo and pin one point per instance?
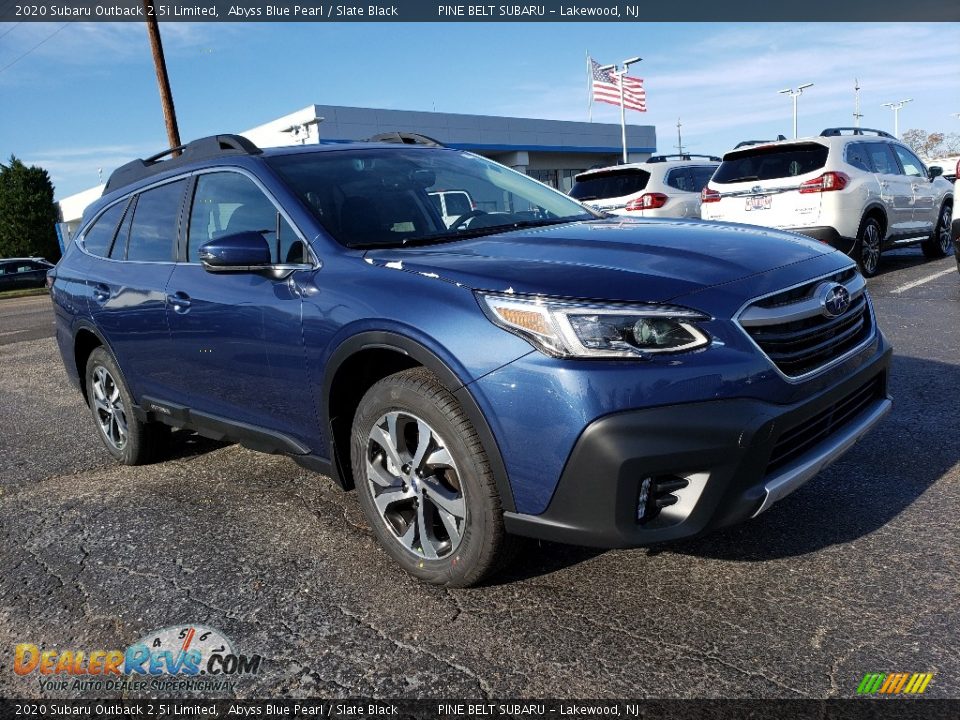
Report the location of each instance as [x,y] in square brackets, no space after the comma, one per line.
[227,202]
[99,237]
[911,164]
[679,179]
[153,230]
[857,156]
[882,159]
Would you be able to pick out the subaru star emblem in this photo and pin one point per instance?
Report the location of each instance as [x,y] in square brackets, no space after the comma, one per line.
[756,189]
[834,299]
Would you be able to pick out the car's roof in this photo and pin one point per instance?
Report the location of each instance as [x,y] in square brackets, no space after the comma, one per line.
[21,259]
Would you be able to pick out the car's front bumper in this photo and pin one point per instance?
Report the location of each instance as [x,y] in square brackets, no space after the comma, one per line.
[731,452]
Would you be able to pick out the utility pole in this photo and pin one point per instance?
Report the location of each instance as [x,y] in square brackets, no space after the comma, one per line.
[856,103]
[163,82]
[679,139]
[896,107]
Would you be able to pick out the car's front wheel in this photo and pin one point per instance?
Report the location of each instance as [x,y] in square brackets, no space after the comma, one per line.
[868,247]
[940,244]
[425,483]
[128,439]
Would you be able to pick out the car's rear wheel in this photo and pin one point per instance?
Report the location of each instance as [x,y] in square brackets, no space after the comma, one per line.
[940,244]
[867,251]
[425,483]
[128,439]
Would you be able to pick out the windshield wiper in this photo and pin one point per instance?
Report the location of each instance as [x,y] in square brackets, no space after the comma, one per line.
[745,178]
[492,230]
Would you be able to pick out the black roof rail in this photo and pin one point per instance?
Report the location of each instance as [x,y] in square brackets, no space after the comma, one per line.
[835,131]
[748,143]
[406,138]
[207,147]
[681,156]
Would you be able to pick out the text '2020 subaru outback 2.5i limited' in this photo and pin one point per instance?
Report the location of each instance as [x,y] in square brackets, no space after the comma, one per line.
[532,369]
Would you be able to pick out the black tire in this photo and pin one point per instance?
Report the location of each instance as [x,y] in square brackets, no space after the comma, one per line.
[411,414]
[868,248]
[940,243]
[128,439]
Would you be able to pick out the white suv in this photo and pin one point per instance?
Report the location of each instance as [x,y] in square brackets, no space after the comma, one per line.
[859,190]
[663,186]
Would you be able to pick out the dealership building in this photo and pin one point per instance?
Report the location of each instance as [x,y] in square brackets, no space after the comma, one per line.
[552,151]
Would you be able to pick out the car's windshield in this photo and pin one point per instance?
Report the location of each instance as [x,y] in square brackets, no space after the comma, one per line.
[389,196]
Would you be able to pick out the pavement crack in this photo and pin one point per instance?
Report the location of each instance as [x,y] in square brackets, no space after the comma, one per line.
[485,690]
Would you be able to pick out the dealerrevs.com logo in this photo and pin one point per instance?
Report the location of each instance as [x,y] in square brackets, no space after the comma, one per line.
[188,657]
[894,683]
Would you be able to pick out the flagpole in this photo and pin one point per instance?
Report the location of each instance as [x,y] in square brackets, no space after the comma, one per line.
[589,88]
[623,113]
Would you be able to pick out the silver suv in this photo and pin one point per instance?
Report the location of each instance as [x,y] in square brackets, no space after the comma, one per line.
[663,186]
[857,189]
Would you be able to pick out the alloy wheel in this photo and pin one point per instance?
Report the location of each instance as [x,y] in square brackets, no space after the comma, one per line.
[415,485]
[870,249]
[946,243]
[108,405]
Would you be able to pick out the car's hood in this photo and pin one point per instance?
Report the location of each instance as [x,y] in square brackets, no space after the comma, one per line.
[626,260]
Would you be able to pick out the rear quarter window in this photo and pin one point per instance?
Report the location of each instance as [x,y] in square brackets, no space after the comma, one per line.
[99,237]
[771,162]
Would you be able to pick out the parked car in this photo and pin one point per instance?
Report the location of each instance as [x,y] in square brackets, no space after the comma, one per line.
[544,371]
[452,204]
[858,190]
[19,273]
[948,167]
[663,186]
[956,220]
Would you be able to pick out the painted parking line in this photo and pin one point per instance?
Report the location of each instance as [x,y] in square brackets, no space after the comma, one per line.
[921,281]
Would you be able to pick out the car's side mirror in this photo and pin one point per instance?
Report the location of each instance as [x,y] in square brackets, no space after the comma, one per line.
[934,172]
[237,252]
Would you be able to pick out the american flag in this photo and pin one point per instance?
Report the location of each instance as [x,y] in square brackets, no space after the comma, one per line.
[606,88]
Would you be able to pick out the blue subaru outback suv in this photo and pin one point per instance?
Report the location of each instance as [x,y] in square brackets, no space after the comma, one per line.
[529,368]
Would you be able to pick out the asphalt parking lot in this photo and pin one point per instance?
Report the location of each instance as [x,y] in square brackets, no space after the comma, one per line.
[856,572]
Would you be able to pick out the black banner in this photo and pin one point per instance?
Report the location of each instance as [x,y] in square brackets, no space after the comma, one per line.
[850,709]
[422,11]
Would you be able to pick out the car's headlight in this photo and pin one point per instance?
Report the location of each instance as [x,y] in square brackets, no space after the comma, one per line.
[563,328]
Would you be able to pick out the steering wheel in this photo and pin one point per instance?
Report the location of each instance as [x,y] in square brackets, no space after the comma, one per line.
[466,216]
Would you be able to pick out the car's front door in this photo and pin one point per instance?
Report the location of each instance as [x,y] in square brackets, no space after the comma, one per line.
[924,193]
[236,337]
[896,190]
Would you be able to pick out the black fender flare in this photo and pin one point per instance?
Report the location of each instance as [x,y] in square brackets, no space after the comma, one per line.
[386,340]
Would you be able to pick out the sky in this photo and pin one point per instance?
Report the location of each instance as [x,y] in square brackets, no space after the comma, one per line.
[84,96]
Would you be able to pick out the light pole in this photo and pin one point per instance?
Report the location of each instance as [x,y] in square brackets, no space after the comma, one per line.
[795,93]
[618,74]
[895,106]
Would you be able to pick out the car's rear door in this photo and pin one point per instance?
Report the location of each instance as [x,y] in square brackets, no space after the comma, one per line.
[236,339]
[127,285]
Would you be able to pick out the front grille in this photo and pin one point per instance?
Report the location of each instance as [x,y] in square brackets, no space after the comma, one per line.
[798,346]
[799,439]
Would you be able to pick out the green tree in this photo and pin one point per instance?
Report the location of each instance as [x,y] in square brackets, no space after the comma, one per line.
[28,213]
